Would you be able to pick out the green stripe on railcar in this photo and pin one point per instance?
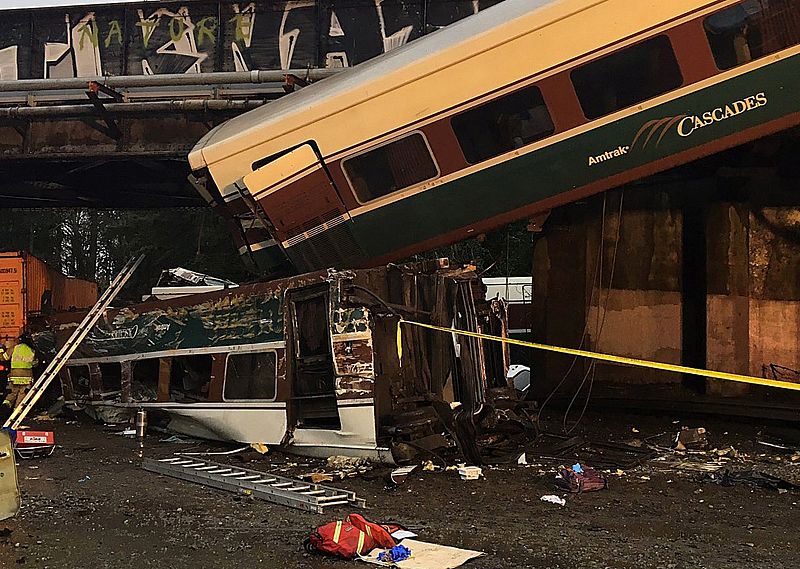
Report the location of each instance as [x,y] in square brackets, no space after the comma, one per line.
[767,93]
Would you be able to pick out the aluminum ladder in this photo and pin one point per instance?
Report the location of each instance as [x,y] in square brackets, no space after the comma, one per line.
[51,371]
[264,485]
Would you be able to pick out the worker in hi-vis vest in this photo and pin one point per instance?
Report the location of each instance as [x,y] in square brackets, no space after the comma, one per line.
[23,360]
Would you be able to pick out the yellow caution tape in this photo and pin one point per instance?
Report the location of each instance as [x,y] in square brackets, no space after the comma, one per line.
[399,344]
[605,357]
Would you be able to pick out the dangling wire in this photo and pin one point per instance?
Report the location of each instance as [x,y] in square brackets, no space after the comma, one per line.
[508,255]
[598,261]
[601,321]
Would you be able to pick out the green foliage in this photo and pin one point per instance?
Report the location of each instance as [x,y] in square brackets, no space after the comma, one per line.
[505,252]
[94,244]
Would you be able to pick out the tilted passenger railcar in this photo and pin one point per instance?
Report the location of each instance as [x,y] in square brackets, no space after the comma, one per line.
[523,107]
[310,362]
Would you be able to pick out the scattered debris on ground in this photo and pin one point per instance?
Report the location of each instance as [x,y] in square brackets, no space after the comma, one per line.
[338,468]
[751,478]
[691,439]
[578,479]
[553,499]
[424,555]
[470,472]
[400,475]
[116,514]
[388,545]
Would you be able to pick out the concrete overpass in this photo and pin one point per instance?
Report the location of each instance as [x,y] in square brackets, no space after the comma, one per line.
[99,103]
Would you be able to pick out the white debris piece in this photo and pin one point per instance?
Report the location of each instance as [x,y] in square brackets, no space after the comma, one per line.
[470,472]
[554,500]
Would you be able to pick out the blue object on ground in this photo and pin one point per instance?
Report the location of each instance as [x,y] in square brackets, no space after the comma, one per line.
[577,467]
[395,554]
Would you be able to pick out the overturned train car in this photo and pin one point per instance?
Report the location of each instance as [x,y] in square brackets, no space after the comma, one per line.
[310,362]
[525,106]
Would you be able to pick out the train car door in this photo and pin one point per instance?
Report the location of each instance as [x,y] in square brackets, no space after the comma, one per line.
[313,400]
[307,215]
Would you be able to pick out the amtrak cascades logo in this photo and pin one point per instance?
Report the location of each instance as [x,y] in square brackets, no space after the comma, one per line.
[691,124]
[655,131]
[609,155]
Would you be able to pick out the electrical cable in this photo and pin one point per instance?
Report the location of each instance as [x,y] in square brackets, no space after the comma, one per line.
[586,325]
[590,369]
[598,330]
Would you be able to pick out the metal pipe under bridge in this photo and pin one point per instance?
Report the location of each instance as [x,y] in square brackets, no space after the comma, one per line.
[98,92]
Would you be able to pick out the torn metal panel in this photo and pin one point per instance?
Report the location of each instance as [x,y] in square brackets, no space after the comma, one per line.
[249,314]
[325,380]
[184,277]
[351,341]
[349,321]
[355,371]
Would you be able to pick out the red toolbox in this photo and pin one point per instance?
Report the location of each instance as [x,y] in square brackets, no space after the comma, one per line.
[34,444]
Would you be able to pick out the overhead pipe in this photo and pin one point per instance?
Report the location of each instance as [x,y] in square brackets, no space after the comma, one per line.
[166,79]
[176,106]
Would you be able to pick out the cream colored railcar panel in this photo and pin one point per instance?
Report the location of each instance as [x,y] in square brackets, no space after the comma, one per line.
[264,179]
[509,41]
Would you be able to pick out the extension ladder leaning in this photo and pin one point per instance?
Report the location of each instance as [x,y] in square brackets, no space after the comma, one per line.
[51,371]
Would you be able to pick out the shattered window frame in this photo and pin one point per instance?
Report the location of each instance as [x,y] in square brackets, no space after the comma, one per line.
[190,377]
[358,191]
[514,120]
[627,77]
[751,30]
[274,384]
[75,379]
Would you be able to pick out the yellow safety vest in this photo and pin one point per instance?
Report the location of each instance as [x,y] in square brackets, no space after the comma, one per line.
[23,358]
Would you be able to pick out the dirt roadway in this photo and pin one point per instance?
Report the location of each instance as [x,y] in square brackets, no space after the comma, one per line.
[90,506]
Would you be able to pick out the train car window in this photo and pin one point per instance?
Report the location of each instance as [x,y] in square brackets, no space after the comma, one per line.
[391,167]
[250,376]
[627,77]
[502,125]
[752,29]
[190,377]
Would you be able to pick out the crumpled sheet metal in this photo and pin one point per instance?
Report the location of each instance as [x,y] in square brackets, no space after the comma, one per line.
[233,319]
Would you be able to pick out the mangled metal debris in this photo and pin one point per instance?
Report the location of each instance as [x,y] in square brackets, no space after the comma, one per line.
[309,363]
[691,439]
[752,478]
[178,282]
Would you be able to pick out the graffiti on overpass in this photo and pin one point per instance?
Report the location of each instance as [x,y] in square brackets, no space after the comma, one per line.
[8,63]
[181,39]
[244,21]
[79,55]
[287,39]
[225,36]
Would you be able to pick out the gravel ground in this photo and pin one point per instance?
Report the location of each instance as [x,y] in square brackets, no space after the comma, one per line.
[89,505]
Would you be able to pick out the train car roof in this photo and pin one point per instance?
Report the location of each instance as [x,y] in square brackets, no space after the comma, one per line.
[245,126]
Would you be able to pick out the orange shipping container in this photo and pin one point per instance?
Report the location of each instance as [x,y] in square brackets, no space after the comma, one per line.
[28,287]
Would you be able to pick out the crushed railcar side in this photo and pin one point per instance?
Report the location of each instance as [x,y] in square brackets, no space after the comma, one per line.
[309,362]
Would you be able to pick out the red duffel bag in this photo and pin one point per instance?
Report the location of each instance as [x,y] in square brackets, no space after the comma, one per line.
[584,480]
[350,538]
